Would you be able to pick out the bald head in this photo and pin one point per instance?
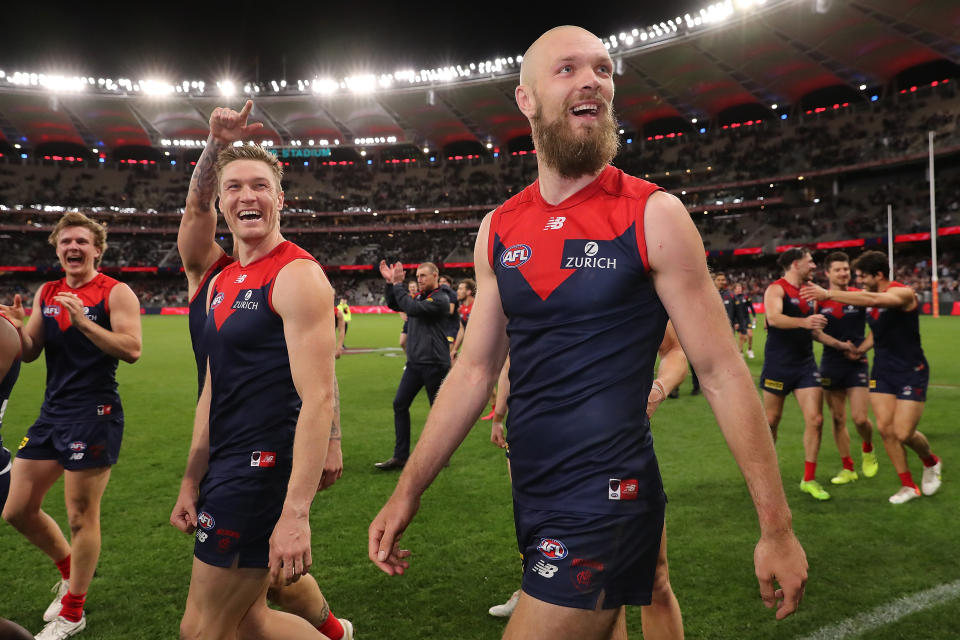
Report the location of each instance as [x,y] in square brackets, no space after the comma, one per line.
[555,41]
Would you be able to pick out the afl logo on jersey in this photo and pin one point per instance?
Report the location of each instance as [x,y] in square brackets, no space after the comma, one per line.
[516,256]
[552,548]
[205,520]
[51,311]
[217,299]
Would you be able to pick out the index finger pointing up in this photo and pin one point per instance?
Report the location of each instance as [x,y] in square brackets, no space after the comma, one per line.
[245,112]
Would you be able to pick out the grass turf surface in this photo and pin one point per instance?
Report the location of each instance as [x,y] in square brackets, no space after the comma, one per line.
[863,552]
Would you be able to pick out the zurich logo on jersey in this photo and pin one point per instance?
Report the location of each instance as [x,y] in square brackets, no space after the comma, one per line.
[516,256]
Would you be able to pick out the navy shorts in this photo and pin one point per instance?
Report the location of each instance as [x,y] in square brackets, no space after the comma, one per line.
[906,385]
[780,380]
[4,476]
[575,559]
[75,445]
[841,376]
[235,519]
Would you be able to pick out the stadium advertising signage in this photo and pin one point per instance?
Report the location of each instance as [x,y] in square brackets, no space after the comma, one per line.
[299,152]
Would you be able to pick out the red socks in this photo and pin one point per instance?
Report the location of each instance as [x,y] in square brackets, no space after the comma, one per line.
[867,447]
[331,628]
[847,463]
[809,471]
[64,567]
[932,460]
[72,606]
[906,479]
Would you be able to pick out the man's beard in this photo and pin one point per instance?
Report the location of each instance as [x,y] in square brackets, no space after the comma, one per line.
[572,155]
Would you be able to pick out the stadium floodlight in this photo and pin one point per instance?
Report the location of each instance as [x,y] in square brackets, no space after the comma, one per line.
[489,145]
[863,87]
[363,152]
[774,106]
[426,149]
[95,150]
[310,142]
[643,36]
[693,121]
[16,146]
[227,87]
[324,85]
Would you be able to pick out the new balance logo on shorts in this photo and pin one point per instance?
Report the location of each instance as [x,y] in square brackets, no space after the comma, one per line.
[263,459]
[545,569]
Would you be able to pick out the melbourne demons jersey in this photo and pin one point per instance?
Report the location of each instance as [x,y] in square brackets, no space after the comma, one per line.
[81,378]
[896,338]
[465,310]
[198,317]
[254,405]
[6,386]
[844,322]
[790,346]
[584,324]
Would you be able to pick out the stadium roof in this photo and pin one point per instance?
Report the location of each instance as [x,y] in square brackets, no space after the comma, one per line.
[776,54]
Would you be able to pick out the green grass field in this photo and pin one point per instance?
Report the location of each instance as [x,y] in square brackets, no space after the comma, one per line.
[863,552]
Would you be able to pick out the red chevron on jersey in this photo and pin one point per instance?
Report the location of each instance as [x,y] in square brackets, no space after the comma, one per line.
[541,239]
[93,293]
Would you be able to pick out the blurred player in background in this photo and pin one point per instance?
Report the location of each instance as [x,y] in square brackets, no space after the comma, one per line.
[898,382]
[743,315]
[844,375]
[788,363]
[9,370]
[86,323]
[466,292]
[203,259]
[583,340]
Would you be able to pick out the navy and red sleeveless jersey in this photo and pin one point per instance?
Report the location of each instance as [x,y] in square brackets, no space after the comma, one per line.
[787,347]
[81,379]
[584,324]
[198,317]
[6,387]
[465,310]
[896,338]
[254,406]
[844,322]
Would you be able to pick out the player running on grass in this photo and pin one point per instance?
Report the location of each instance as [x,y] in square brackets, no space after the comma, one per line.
[85,323]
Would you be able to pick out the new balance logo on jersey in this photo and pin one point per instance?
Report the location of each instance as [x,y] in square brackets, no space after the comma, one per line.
[263,459]
[545,569]
[554,223]
[240,279]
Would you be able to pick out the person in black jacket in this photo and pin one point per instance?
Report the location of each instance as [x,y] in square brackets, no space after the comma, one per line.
[428,350]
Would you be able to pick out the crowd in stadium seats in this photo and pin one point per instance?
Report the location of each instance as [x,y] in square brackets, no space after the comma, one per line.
[741,185]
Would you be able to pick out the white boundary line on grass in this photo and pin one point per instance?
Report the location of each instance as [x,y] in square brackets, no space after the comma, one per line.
[888,613]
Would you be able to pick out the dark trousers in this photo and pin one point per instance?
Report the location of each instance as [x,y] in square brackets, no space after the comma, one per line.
[415,377]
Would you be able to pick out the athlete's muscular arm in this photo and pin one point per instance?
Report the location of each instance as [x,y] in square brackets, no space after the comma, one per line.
[9,347]
[459,402]
[31,331]
[681,279]
[184,514]
[341,331]
[672,371]
[304,300]
[123,341]
[198,226]
[333,466]
[773,307]
[893,298]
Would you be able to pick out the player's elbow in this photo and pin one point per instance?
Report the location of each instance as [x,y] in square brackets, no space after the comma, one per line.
[132,354]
